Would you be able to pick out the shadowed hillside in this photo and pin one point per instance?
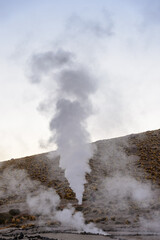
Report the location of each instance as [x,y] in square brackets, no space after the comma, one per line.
[122,189]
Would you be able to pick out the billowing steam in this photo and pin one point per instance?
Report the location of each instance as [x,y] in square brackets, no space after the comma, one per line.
[73,107]
[47,201]
[41,201]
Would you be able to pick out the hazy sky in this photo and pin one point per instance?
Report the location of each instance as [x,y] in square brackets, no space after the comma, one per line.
[117,40]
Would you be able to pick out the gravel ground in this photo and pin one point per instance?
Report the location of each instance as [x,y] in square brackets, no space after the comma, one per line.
[75,236]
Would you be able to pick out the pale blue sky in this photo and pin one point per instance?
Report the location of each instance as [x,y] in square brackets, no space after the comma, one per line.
[117,39]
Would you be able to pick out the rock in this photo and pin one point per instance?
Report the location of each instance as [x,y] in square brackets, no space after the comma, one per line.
[79,208]
[21,236]
[14,212]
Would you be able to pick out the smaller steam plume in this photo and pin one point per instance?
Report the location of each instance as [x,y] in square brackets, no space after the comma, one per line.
[75,85]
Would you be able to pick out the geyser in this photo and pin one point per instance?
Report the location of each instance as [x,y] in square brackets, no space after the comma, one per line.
[73,106]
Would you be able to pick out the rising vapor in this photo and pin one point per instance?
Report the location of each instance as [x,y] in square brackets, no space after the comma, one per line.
[74,87]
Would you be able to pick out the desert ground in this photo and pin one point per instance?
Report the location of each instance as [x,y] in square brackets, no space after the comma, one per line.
[121,196]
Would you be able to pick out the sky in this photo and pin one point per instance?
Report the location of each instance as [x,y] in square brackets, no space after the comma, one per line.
[116,40]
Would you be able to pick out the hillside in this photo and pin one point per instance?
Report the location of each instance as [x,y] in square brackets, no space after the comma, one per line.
[122,190]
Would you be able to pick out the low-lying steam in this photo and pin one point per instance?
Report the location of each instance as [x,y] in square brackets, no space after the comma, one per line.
[41,201]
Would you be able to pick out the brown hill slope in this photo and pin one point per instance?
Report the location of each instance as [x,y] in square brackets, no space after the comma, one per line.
[122,190]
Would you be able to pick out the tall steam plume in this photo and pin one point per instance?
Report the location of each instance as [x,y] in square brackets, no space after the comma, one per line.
[73,107]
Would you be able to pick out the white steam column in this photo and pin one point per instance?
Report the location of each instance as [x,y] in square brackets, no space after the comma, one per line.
[73,107]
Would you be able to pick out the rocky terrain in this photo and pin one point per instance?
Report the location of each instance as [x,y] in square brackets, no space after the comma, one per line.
[122,191]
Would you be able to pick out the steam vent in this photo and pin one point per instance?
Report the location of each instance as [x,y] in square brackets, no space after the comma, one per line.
[122,191]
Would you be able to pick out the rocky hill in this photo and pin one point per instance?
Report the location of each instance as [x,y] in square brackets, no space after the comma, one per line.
[122,190]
